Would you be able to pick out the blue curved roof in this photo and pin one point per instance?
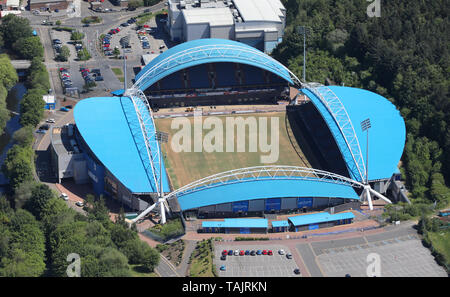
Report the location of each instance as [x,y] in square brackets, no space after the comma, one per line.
[202,51]
[264,188]
[105,124]
[387,134]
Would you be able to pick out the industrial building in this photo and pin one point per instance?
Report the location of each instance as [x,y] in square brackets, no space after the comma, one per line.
[51,5]
[258,23]
[242,226]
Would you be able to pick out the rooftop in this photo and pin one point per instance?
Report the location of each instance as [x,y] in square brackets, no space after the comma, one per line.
[387,134]
[320,217]
[236,223]
[109,125]
[213,16]
[264,188]
[276,224]
[260,10]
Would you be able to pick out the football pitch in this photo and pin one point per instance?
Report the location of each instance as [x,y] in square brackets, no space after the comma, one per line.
[187,166]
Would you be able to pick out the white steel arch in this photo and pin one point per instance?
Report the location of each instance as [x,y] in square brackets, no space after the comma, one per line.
[206,52]
[263,172]
[340,116]
[150,147]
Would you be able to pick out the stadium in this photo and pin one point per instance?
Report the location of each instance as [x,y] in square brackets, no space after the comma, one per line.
[118,140]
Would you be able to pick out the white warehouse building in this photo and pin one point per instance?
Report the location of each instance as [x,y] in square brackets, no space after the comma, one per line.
[258,23]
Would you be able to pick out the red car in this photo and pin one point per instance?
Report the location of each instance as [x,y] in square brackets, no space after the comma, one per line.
[146,26]
[241,253]
[224,252]
[118,29]
[270,253]
[264,252]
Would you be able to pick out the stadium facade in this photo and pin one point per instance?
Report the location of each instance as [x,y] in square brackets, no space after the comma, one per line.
[258,23]
[111,133]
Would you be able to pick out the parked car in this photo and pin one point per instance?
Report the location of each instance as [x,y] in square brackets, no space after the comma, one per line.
[241,253]
[247,252]
[162,46]
[79,204]
[124,24]
[44,127]
[69,106]
[40,131]
[259,252]
[281,252]
[64,196]
[236,252]
[264,252]
[52,121]
[230,252]
[224,252]
[223,268]
[223,257]
[252,253]
[64,109]
[270,253]
[297,271]
[289,255]
[98,78]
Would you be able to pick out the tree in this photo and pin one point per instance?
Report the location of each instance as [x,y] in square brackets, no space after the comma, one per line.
[24,136]
[29,47]
[17,165]
[14,28]
[8,75]
[40,196]
[133,4]
[116,52]
[22,193]
[76,35]
[64,54]
[83,54]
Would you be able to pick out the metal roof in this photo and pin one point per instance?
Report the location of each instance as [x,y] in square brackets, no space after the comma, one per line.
[208,50]
[236,223]
[106,125]
[259,10]
[220,16]
[264,188]
[321,217]
[276,224]
[386,136]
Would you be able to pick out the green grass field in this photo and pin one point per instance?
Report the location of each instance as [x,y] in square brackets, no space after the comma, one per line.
[186,167]
[441,242]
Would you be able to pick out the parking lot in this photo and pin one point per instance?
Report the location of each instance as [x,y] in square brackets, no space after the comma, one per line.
[275,265]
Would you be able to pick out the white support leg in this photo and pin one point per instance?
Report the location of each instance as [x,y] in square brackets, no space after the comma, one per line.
[142,214]
[379,195]
[368,197]
[163,211]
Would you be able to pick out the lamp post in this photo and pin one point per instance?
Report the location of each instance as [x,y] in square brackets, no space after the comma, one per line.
[304,30]
[161,137]
[365,126]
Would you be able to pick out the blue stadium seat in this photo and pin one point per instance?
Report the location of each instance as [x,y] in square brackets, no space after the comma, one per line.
[172,82]
[252,75]
[198,77]
[225,75]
